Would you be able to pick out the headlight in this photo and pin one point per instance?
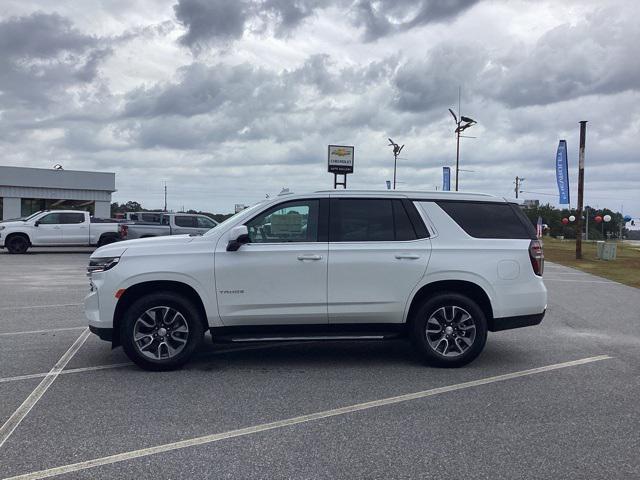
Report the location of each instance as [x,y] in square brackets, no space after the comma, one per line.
[102,264]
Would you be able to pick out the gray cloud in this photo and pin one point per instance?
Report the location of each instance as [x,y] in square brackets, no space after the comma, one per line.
[43,54]
[593,57]
[210,21]
[383,17]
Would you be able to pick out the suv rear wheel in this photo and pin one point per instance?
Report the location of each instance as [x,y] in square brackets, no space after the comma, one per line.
[161,331]
[449,330]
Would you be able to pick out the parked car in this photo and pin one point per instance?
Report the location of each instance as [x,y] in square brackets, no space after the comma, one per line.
[168,224]
[440,268]
[54,228]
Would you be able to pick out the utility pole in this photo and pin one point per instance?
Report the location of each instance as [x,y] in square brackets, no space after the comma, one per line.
[519,181]
[165,196]
[583,134]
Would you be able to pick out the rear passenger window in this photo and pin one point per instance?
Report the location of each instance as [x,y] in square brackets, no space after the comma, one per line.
[487,219]
[69,218]
[184,221]
[372,220]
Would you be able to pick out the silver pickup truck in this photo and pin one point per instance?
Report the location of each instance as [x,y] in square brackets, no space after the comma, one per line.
[167,224]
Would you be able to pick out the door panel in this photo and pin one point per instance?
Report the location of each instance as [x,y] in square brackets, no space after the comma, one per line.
[280,277]
[75,230]
[271,284]
[370,282]
[377,255]
[48,231]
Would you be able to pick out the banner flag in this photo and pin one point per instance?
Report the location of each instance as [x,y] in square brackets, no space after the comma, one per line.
[562,173]
[446,179]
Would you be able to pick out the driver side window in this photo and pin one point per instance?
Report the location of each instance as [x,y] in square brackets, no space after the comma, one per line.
[51,219]
[295,221]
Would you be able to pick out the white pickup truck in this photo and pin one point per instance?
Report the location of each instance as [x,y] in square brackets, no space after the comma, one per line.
[51,228]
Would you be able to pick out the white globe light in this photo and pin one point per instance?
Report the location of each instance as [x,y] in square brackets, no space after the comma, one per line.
[607,218]
[572,218]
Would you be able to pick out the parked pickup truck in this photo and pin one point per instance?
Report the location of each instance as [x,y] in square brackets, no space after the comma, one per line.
[170,224]
[54,228]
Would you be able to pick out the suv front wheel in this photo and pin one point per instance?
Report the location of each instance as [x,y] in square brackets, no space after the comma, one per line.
[449,330]
[161,331]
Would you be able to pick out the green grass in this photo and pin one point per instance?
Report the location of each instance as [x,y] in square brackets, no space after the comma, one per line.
[624,269]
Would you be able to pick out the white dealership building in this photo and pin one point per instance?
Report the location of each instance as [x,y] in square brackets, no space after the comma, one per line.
[24,191]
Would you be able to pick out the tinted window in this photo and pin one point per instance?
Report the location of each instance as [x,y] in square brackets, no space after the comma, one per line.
[184,221]
[403,226]
[151,217]
[361,220]
[486,220]
[295,221]
[204,222]
[72,217]
[52,218]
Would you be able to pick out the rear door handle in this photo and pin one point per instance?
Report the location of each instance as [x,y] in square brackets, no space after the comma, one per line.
[309,257]
[407,256]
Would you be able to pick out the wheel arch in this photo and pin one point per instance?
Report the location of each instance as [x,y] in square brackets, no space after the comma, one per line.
[107,235]
[464,287]
[134,292]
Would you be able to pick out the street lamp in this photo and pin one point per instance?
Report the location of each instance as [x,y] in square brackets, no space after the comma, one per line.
[396,151]
[461,125]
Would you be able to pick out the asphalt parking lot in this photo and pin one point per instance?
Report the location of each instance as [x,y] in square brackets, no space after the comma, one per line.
[561,400]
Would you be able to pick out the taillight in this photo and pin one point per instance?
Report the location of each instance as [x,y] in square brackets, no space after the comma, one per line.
[537,257]
[124,231]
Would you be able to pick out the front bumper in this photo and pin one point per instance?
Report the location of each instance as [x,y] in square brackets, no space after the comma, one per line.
[507,323]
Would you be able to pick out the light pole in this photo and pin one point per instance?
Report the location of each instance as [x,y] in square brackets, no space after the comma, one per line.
[396,151]
[461,125]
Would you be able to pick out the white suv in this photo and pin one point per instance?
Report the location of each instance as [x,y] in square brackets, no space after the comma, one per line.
[440,268]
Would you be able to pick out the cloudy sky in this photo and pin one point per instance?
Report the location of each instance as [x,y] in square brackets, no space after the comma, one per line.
[230,100]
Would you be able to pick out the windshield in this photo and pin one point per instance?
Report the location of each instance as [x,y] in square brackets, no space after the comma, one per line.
[31,216]
[234,217]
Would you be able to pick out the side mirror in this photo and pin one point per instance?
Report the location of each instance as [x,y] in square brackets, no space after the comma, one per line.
[37,223]
[238,236]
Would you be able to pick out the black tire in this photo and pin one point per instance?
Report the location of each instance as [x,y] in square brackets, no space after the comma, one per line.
[457,343]
[17,244]
[133,320]
[106,240]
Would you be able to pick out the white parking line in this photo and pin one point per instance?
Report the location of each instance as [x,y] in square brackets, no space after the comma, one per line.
[121,457]
[14,420]
[129,364]
[65,372]
[42,331]
[23,307]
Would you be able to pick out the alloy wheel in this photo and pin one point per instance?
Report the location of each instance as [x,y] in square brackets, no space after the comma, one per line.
[450,331]
[160,333]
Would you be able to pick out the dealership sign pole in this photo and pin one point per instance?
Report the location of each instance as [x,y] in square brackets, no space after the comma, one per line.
[340,162]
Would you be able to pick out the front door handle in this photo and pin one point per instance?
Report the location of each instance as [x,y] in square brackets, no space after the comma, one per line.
[407,256]
[309,257]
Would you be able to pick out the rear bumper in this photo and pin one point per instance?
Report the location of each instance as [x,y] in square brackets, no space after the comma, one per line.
[507,323]
[104,333]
